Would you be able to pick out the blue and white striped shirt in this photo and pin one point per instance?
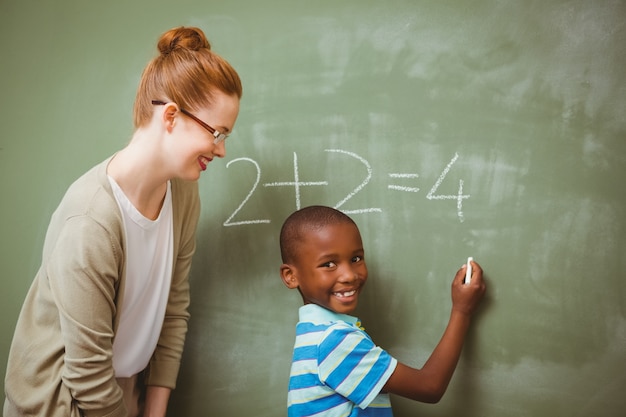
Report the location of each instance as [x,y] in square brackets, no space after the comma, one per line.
[337,370]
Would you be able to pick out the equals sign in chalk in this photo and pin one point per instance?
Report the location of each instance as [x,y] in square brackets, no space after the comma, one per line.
[401,187]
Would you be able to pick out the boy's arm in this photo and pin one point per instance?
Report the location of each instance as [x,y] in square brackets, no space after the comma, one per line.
[430,383]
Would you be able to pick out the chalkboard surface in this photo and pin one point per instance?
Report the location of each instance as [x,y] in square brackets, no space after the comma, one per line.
[446,129]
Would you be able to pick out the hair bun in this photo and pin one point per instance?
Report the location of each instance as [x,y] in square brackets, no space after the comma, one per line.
[190,38]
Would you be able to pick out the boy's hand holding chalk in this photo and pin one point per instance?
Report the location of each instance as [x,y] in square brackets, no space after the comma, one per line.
[468,271]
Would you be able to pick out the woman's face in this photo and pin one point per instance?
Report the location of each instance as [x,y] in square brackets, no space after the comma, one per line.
[193,146]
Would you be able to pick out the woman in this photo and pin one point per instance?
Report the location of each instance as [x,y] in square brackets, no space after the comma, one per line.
[102,329]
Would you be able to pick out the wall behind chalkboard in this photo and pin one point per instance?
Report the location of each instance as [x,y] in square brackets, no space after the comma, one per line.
[446,129]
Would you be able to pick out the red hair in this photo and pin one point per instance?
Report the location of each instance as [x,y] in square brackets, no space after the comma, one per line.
[186,72]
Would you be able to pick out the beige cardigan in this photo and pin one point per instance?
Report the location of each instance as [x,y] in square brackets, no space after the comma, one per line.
[60,363]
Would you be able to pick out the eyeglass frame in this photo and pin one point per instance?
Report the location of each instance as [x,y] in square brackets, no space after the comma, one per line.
[217,135]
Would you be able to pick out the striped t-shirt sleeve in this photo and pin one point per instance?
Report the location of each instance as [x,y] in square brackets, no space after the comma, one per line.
[350,363]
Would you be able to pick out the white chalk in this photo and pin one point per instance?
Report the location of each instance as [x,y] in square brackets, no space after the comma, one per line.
[468,271]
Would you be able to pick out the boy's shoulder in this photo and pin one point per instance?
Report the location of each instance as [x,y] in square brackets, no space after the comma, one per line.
[328,330]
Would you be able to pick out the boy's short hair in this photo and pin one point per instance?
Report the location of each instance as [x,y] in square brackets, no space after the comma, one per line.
[304,220]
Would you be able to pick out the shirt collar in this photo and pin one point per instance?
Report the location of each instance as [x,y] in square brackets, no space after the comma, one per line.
[317,314]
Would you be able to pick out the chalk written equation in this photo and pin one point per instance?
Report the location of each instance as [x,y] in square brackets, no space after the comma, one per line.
[297,184]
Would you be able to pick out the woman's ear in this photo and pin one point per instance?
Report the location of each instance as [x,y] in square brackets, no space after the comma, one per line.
[288,275]
[169,116]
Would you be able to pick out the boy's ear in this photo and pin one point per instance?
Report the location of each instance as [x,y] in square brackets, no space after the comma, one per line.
[288,275]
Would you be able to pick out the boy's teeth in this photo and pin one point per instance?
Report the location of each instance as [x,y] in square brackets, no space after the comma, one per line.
[345,294]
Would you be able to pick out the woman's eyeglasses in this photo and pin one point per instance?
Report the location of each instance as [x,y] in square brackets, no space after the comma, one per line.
[219,137]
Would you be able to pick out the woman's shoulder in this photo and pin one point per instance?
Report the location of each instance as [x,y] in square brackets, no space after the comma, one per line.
[186,197]
[91,195]
[184,189]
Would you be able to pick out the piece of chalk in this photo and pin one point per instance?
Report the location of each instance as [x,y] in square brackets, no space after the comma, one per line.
[468,271]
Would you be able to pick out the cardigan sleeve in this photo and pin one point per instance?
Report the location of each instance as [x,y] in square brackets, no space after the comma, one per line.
[165,362]
[83,273]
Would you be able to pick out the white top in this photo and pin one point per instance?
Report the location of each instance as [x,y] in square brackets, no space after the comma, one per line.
[149,252]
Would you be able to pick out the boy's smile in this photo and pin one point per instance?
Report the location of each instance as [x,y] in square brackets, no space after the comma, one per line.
[330,268]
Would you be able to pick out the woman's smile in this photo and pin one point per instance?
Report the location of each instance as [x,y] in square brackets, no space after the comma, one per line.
[204,161]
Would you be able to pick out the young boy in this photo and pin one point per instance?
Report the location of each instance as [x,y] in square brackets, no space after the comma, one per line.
[337,369]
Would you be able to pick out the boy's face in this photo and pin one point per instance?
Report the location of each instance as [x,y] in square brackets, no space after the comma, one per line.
[330,268]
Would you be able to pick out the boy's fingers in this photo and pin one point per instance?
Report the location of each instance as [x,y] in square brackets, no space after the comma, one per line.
[460,274]
[477,272]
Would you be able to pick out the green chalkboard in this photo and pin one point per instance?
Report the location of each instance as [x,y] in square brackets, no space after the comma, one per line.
[447,129]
